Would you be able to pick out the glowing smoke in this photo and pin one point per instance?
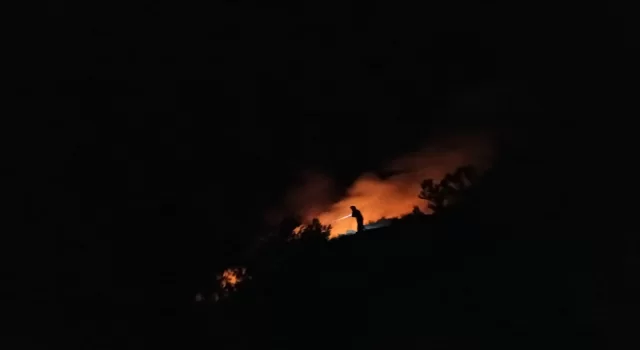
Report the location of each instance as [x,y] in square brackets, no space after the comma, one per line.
[393,196]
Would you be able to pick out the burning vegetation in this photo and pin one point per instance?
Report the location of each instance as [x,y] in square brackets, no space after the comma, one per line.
[228,281]
[423,182]
[456,161]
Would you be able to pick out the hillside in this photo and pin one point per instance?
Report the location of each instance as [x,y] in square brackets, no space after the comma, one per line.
[500,269]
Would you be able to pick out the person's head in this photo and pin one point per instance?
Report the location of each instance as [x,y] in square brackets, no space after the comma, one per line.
[353,207]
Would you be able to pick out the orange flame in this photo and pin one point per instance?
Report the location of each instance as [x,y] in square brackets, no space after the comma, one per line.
[397,195]
[232,276]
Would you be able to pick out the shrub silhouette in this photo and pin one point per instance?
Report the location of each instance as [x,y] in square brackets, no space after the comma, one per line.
[315,231]
[286,229]
[449,189]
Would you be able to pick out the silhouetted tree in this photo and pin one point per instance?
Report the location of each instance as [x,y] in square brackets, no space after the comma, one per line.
[444,193]
[462,178]
[270,250]
[315,231]
[433,194]
[286,229]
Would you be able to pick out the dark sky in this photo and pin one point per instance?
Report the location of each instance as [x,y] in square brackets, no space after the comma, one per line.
[200,115]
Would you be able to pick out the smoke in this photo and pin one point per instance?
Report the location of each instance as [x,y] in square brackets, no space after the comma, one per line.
[307,197]
[391,196]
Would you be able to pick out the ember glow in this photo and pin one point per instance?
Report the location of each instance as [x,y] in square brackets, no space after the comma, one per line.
[397,195]
[232,276]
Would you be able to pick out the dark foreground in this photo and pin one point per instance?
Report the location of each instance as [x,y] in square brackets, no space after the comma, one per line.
[525,261]
[502,270]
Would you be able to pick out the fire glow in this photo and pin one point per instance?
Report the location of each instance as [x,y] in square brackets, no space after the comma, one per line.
[378,198]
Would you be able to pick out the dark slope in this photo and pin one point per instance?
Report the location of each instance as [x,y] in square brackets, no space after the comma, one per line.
[507,268]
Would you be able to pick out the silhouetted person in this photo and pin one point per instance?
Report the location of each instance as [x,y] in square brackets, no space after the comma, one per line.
[359,219]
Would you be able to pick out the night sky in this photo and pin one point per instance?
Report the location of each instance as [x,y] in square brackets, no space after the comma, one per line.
[137,117]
